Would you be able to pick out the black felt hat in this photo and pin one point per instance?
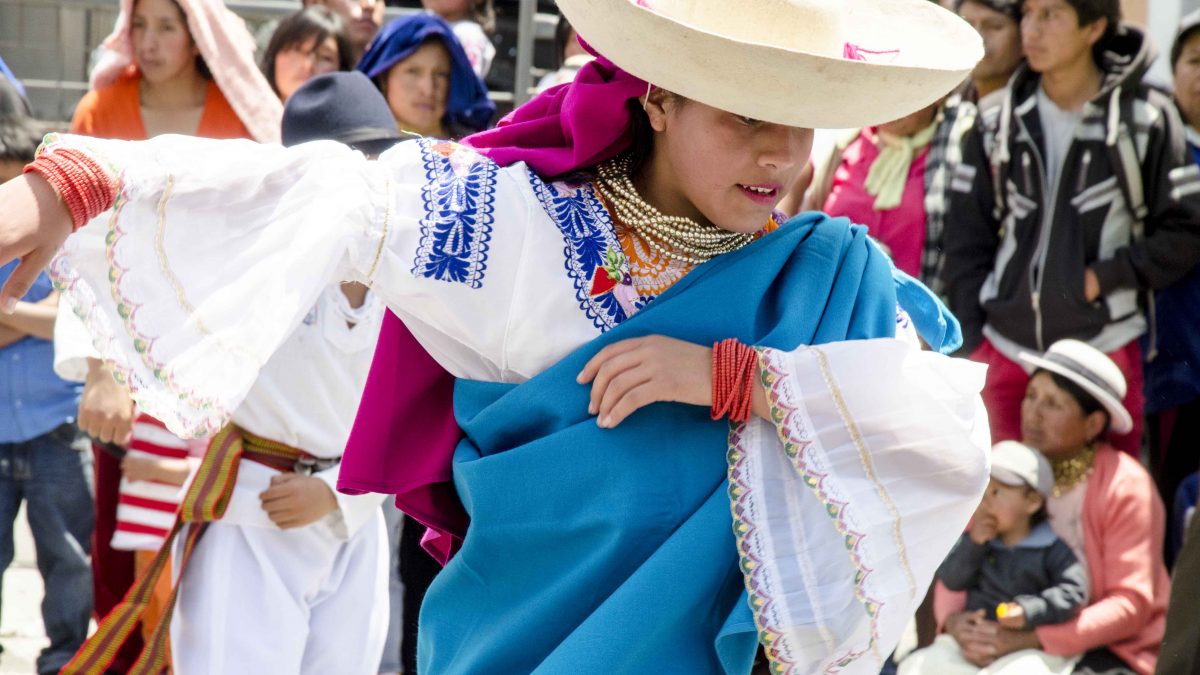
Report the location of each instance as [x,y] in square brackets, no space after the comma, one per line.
[344,107]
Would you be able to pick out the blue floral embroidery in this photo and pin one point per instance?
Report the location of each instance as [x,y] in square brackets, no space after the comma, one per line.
[460,187]
[588,235]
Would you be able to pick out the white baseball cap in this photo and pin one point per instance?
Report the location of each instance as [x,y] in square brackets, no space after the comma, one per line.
[1017,464]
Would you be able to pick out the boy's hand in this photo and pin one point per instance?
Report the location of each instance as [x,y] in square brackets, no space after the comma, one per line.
[983,528]
[1011,615]
[106,412]
[1091,285]
[295,501]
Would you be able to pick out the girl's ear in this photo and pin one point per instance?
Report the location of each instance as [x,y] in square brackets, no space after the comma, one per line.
[655,104]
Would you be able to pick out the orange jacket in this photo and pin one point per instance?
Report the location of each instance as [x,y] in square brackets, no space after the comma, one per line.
[115,112]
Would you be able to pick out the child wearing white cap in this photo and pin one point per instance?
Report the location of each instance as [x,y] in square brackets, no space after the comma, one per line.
[1013,567]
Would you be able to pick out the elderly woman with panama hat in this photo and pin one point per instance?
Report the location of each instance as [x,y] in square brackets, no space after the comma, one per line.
[1104,505]
[604,276]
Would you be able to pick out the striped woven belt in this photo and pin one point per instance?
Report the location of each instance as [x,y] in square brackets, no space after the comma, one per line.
[204,502]
[283,457]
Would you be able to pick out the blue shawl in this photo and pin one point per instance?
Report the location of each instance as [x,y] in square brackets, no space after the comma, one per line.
[594,550]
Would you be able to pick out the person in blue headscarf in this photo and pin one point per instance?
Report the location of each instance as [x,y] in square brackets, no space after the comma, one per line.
[428,81]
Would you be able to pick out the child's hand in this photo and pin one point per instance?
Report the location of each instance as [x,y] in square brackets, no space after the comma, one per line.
[161,469]
[983,528]
[295,501]
[1011,615]
[139,468]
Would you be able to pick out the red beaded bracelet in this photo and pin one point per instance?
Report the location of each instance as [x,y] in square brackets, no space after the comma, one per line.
[733,368]
[84,186]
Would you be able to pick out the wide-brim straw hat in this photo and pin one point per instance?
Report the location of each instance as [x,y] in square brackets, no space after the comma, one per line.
[1092,370]
[803,63]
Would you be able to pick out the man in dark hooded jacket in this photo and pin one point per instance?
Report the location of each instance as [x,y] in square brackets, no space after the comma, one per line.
[1075,196]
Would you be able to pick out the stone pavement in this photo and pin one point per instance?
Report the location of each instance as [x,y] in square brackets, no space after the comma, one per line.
[21,630]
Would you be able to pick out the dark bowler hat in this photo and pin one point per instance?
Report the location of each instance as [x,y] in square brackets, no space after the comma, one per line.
[344,107]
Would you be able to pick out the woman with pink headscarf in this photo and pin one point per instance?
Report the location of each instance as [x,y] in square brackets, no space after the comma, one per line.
[182,67]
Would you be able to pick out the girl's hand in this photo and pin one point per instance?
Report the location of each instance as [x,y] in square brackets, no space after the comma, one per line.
[34,222]
[634,373]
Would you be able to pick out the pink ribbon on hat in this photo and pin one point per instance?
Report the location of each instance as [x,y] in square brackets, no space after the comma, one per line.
[853,52]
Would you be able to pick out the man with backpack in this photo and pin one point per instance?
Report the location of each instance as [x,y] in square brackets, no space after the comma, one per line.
[1075,197]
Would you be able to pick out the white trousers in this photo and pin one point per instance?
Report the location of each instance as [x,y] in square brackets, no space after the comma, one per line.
[944,657]
[256,600]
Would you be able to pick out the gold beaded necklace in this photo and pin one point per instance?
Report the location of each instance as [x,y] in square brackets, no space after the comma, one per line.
[1072,471]
[674,237]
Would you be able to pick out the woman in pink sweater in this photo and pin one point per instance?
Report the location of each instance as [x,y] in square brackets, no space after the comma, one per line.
[1105,506]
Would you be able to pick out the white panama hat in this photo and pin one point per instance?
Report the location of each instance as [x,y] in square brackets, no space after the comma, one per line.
[785,61]
[1092,370]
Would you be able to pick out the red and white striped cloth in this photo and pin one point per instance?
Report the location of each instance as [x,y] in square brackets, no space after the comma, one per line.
[146,509]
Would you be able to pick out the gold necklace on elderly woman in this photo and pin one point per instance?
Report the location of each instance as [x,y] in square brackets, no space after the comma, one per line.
[1071,472]
[674,237]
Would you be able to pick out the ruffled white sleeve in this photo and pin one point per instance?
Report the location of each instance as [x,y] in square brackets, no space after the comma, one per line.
[72,348]
[846,505]
[216,250]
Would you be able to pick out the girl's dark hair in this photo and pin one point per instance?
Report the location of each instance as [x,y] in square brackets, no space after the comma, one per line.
[641,137]
[317,22]
[562,34]
[1086,401]
[641,133]
[484,13]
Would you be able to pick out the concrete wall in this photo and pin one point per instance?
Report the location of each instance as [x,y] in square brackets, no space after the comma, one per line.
[47,44]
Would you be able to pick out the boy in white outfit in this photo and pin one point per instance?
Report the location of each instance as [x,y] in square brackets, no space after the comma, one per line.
[280,573]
